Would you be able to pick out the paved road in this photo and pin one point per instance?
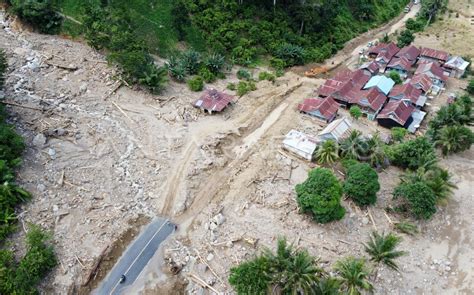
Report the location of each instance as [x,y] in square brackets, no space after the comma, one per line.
[136,257]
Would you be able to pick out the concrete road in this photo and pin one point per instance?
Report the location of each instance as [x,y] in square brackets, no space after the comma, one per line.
[136,257]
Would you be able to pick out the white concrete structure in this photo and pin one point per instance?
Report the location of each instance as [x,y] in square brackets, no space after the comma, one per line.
[301,144]
[337,130]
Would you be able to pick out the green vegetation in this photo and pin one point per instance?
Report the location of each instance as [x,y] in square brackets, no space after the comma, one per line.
[415,25]
[326,153]
[418,199]
[412,154]
[395,77]
[245,87]
[405,38]
[362,184]
[320,195]
[398,134]
[454,139]
[381,249]
[41,14]
[244,75]
[196,83]
[355,112]
[353,275]
[354,146]
[266,76]
[470,87]
[406,228]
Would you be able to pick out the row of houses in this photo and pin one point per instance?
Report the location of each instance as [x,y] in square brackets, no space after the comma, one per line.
[377,95]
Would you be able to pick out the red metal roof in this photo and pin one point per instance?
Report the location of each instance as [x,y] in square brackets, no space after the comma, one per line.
[401,62]
[384,50]
[421,81]
[433,53]
[343,82]
[326,106]
[407,91]
[213,100]
[374,98]
[397,110]
[372,67]
[433,68]
[409,52]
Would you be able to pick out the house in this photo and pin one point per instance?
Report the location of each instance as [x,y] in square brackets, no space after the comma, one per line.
[417,117]
[409,52]
[321,108]
[382,83]
[213,101]
[301,144]
[372,68]
[409,93]
[422,82]
[401,65]
[387,50]
[434,71]
[343,92]
[433,55]
[396,113]
[371,102]
[456,66]
[336,130]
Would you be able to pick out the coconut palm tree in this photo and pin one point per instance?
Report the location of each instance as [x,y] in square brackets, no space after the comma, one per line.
[295,271]
[327,153]
[353,146]
[327,286]
[381,248]
[454,139]
[353,275]
[376,150]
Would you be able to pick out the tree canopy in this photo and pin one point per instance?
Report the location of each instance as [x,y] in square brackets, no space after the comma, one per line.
[362,184]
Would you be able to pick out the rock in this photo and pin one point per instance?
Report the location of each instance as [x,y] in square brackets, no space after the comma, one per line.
[365,220]
[219,219]
[83,88]
[41,187]
[55,208]
[39,140]
[52,153]
[209,257]
[212,226]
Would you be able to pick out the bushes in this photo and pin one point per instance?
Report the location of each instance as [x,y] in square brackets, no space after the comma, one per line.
[405,38]
[290,54]
[355,112]
[415,25]
[419,198]
[320,196]
[41,14]
[215,63]
[398,133]
[362,184]
[245,87]
[455,139]
[266,76]
[196,83]
[395,77]
[244,75]
[251,277]
[191,61]
[470,87]
[412,154]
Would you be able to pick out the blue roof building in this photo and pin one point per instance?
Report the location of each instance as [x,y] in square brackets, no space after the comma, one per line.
[382,83]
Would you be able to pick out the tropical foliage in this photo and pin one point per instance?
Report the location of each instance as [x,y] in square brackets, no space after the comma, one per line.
[42,14]
[382,249]
[320,196]
[454,139]
[362,184]
[398,134]
[355,112]
[405,38]
[326,153]
[353,274]
[412,154]
[419,199]
[395,77]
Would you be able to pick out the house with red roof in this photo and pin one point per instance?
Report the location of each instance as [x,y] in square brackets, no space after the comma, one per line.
[407,92]
[422,82]
[383,53]
[213,101]
[370,102]
[322,108]
[410,52]
[342,86]
[371,68]
[401,65]
[434,71]
[396,113]
[433,55]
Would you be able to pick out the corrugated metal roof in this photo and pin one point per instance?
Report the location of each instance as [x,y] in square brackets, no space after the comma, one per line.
[327,107]
[435,54]
[383,83]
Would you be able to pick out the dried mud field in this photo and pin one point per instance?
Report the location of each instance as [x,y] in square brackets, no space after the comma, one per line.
[102,159]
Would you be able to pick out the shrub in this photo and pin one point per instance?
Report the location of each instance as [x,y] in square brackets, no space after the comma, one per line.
[191,61]
[196,83]
[245,87]
[251,277]
[420,199]
[455,139]
[412,154]
[405,38]
[470,87]
[291,54]
[231,86]
[406,227]
[355,112]
[398,134]
[277,63]
[215,63]
[320,195]
[244,75]
[415,25]
[266,76]
[395,77]
[362,184]
[207,75]
[41,14]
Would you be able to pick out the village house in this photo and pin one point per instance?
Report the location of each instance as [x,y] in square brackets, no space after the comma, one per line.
[343,82]
[383,49]
[422,82]
[336,130]
[382,83]
[213,101]
[455,67]
[370,68]
[433,55]
[410,52]
[409,93]
[401,65]
[396,113]
[434,71]
[324,109]
[301,144]
[370,102]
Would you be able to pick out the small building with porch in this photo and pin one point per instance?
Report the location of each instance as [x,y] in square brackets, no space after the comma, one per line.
[213,101]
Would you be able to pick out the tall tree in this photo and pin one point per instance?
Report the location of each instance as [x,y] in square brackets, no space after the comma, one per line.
[353,275]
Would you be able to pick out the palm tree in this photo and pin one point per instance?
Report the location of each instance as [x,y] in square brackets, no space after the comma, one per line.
[327,153]
[295,271]
[454,139]
[376,151]
[353,275]
[327,286]
[353,146]
[381,249]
